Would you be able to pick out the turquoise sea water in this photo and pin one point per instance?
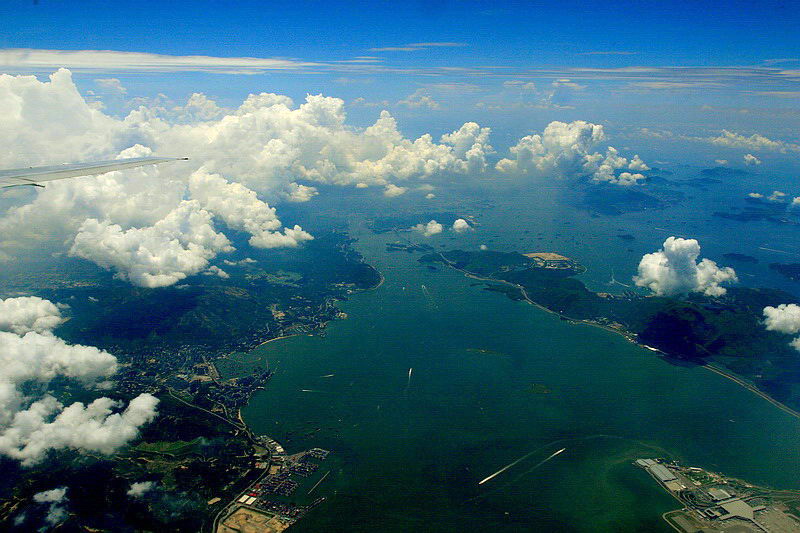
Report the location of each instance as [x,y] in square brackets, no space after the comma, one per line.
[410,454]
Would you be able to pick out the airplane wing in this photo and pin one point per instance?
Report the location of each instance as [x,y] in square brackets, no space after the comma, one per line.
[33,176]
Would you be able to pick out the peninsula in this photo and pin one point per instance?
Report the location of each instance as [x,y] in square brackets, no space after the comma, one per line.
[724,334]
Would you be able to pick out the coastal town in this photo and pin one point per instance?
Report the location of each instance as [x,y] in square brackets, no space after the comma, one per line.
[267,505]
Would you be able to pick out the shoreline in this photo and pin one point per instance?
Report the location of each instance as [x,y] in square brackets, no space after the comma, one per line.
[289,336]
[712,367]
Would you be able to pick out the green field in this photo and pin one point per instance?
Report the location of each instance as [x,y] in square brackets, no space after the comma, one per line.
[174,448]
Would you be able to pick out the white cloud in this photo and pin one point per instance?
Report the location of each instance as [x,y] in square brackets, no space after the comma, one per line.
[178,245]
[240,208]
[111,60]
[626,178]
[32,422]
[561,148]
[431,196]
[392,190]
[483,247]
[418,99]
[98,427]
[674,270]
[786,319]
[28,313]
[217,271]
[568,84]
[140,488]
[460,225]
[756,141]
[751,160]
[566,149]
[795,202]
[470,146]
[777,196]
[111,85]
[429,229]
[198,108]
[262,149]
[42,357]
[300,193]
[55,498]
[721,162]
[637,164]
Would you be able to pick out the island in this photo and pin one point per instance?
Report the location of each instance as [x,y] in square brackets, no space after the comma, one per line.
[400,246]
[789,270]
[724,334]
[742,258]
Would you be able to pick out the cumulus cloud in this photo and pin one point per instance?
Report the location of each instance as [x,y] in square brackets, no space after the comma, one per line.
[431,228]
[180,244]
[42,357]
[626,178]
[637,163]
[756,141]
[777,196]
[561,148]
[214,270]
[300,193]
[431,196]
[470,146]
[140,488]
[111,85]
[567,149]
[418,99]
[795,202]
[392,190]
[98,427]
[56,500]
[674,270]
[785,319]
[28,313]
[460,225]
[751,160]
[32,421]
[262,150]
[241,209]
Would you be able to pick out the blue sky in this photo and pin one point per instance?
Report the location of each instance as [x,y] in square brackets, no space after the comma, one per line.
[512,33]
[687,65]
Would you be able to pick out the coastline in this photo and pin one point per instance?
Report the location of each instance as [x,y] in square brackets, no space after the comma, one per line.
[276,339]
[379,283]
[742,382]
